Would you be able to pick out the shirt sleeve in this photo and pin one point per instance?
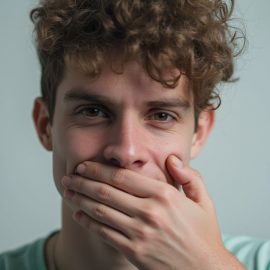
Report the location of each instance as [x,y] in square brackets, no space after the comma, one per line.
[253,253]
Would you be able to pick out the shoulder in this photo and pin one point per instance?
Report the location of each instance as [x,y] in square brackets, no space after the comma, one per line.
[27,257]
[254,253]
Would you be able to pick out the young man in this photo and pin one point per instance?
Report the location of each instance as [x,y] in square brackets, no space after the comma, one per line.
[127,101]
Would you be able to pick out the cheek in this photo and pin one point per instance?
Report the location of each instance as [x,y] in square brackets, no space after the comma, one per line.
[70,148]
[178,144]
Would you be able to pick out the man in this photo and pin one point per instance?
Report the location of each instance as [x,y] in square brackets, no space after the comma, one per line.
[127,101]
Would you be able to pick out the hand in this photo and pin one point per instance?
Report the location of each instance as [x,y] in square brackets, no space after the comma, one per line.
[149,221]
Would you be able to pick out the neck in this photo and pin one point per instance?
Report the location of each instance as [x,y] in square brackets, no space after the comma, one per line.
[80,249]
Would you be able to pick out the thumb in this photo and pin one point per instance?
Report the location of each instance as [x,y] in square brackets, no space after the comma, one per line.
[190,180]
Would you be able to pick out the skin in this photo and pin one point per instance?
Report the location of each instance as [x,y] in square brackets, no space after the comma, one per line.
[113,163]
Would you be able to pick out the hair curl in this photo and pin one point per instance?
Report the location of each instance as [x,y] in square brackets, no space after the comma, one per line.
[191,36]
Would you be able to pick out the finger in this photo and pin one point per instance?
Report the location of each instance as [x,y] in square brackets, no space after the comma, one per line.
[102,213]
[103,193]
[132,227]
[124,179]
[109,235]
[190,180]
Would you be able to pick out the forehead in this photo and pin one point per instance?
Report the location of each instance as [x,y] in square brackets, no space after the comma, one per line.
[133,80]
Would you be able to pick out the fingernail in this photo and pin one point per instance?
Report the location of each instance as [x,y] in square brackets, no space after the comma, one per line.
[80,169]
[68,194]
[177,162]
[66,181]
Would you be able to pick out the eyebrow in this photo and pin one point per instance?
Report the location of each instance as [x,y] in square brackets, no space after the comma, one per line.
[79,94]
[168,103]
[83,95]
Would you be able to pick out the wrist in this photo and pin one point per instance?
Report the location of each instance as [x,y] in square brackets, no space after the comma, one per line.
[222,259]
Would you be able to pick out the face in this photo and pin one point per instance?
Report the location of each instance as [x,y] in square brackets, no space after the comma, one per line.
[125,120]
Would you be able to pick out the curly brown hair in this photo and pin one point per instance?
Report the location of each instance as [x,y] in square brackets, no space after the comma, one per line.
[191,36]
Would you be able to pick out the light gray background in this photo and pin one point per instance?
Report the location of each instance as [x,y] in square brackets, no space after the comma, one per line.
[235,163]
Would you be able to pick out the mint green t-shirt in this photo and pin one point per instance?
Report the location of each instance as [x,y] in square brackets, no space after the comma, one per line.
[253,253]
[28,257]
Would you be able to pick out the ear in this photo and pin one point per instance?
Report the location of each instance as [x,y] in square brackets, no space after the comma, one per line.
[42,123]
[206,121]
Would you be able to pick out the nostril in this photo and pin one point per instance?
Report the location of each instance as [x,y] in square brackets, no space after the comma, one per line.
[138,163]
[115,162]
[127,165]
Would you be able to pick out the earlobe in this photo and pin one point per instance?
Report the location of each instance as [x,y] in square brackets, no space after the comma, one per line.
[206,121]
[42,123]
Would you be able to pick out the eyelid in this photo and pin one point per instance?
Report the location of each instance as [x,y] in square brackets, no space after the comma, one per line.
[174,115]
[101,107]
[173,119]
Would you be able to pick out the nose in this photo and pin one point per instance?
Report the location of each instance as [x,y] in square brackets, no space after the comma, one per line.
[126,146]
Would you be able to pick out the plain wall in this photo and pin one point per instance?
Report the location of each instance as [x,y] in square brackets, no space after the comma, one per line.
[235,163]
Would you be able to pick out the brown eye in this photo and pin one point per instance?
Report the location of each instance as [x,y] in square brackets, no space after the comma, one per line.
[93,112]
[162,116]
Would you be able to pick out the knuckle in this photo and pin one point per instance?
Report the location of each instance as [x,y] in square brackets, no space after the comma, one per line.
[136,250]
[103,232]
[118,176]
[79,184]
[142,232]
[151,215]
[99,211]
[94,171]
[103,193]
